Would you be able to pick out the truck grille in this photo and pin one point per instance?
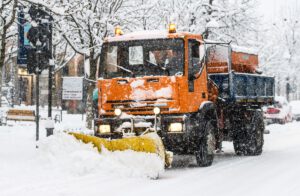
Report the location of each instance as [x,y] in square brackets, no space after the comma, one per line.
[141,106]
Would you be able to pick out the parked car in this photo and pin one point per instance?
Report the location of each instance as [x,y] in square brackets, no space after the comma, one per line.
[280,112]
[295,109]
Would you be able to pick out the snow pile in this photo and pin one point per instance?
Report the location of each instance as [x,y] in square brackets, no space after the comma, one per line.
[72,123]
[295,106]
[64,153]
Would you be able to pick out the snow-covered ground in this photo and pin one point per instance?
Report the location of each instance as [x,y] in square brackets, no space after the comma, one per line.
[63,166]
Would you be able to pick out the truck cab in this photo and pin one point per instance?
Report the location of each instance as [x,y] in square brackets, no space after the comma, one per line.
[155,69]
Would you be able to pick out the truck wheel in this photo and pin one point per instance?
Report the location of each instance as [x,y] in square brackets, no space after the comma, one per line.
[207,146]
[249,140]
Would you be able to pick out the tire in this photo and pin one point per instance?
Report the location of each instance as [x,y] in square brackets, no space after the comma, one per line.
[206,146]
[282,121]
[249,140]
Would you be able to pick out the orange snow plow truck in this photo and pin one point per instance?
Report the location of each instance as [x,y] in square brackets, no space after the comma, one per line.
[192,92]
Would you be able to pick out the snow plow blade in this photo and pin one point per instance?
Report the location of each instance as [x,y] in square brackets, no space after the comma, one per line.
[148,143]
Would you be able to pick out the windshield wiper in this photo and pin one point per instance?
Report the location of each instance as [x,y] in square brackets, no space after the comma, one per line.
[123,68]
[160,67]
[165,69]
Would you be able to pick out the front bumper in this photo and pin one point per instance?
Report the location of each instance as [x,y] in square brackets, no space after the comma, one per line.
[177,142]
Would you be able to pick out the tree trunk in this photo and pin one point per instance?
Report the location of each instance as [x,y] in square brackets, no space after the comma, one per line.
[2,59]
[209,13]
[89,107]
[91,87]
[5,26]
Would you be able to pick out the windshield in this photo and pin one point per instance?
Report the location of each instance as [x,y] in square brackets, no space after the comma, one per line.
[142,57]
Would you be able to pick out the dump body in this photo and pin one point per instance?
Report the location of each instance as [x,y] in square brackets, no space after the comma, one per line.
[243,60]
[235,72]
[244,88]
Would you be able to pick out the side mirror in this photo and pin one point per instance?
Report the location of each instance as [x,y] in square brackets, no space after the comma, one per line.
[167,62]
[191,77]
[202,53]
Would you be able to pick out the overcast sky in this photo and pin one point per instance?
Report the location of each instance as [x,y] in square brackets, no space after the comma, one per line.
[271,8]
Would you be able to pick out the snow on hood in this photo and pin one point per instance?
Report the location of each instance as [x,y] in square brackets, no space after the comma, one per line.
[63,152]
[137,83]
[140,94]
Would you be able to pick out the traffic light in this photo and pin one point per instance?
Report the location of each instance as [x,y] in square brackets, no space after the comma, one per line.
[40,37]
[36,12]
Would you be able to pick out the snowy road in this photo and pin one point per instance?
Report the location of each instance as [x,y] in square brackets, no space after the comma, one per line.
[25,170]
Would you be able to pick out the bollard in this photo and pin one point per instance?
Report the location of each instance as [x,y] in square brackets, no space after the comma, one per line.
[49,125]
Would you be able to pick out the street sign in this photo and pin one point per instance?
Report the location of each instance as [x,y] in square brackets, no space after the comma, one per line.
[72,88]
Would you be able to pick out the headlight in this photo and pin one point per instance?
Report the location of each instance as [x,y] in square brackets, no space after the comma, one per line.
[156,110]
[175,127]
[104,129]
[118,112]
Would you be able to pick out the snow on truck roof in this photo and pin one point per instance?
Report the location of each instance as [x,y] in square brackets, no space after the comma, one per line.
[236,48]
[141,35]
[241,49]
[163,34]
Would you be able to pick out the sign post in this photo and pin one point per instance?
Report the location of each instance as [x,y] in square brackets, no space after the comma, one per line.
[50,125]
[37,97]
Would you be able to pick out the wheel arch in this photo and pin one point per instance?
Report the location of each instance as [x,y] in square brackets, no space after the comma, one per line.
[208,111]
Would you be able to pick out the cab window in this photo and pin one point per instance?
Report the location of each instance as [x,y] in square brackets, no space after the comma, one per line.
[194,57]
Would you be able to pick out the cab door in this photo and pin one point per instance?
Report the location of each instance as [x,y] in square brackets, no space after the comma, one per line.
[197,75]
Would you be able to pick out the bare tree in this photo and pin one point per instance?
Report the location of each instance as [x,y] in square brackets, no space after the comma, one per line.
[84,27]
[8,10]
[280,48]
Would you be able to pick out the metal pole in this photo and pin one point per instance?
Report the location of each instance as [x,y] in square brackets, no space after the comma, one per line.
[37,118]
[230,71]
[155,123]
[288,89]
[61,103]
[49,130]
[50,93]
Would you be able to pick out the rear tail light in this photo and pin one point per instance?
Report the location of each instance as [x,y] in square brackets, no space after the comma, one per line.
[273,111]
